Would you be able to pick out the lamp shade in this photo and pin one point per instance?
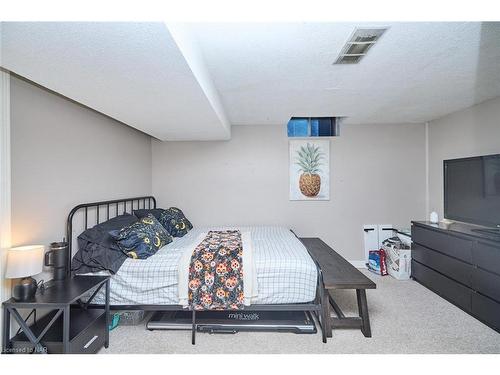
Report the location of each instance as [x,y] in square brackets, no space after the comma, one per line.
[24,261]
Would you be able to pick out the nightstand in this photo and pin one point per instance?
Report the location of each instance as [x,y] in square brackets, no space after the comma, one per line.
[71,326]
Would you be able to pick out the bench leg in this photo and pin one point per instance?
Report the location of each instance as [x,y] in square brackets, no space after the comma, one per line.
[363,312]
[326,317]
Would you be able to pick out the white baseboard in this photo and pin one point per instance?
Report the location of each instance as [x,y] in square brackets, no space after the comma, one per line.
[358,263]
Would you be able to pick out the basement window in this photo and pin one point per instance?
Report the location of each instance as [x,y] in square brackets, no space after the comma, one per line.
[313,127]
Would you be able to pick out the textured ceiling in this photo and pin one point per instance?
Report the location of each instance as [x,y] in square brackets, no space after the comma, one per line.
[191,81]
[266,73]
[133,72]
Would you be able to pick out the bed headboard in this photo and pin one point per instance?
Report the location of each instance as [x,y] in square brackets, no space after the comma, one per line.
[94,213]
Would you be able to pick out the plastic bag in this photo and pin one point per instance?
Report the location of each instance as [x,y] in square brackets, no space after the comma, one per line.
[377,262]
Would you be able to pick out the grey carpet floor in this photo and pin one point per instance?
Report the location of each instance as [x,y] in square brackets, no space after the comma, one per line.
[405,318]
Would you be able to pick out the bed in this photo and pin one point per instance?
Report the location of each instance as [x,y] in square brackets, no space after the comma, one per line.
[288,278]
[285,271]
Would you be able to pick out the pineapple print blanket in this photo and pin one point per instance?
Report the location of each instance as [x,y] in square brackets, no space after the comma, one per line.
[218,273]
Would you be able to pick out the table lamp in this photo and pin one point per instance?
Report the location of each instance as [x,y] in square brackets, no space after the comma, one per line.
[24,262]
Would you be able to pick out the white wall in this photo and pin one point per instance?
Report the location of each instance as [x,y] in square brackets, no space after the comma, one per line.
[64,154]
[5,183]
[241,181]
[471,132]
[377,176]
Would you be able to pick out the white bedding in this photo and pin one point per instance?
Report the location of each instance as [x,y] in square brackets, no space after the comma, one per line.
[284,270]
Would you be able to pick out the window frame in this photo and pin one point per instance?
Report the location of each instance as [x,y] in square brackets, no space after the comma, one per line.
[334,127]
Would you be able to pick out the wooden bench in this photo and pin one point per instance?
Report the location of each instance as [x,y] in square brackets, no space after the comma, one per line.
[338,273]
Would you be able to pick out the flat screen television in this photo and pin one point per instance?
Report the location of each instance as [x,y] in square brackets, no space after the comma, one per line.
[472,190]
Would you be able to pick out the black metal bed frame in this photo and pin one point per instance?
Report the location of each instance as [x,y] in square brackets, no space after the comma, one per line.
[121,206]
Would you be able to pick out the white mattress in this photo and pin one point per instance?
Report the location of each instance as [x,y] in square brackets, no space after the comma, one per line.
[285,271]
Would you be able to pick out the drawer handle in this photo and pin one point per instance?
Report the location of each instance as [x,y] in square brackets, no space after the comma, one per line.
[90,342]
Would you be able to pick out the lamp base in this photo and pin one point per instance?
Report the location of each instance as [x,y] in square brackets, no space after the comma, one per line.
[25,290]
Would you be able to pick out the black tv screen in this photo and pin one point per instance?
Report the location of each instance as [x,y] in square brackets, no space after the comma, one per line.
[472,190]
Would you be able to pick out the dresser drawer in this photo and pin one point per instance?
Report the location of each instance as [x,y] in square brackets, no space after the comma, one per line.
[486,283]
[451,290]
[487,255]
[486,310]
[450,267]
[450,245]
[91,339]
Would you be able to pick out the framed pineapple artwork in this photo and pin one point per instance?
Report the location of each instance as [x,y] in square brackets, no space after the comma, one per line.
[309,169]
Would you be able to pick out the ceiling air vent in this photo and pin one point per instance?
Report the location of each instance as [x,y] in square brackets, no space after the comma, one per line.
[358,45]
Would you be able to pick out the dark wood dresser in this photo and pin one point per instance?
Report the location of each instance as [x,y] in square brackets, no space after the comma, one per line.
[461,265]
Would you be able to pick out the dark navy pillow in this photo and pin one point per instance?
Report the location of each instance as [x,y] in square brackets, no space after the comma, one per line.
[99,234]
[97,250]
[175,222]
[156,212]
[142,239]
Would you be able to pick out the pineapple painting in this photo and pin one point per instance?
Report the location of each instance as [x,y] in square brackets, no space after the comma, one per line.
[309,160]
[309,170]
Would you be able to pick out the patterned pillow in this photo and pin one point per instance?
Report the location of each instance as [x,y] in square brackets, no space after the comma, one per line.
[144,212]
[142,239]
[174,221]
